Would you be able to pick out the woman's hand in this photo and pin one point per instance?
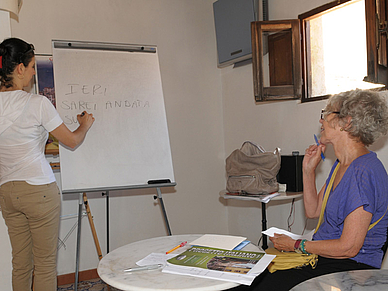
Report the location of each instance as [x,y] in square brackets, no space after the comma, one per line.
[282,242]
[311,199]
[73,139]
[85,120]
[312,157]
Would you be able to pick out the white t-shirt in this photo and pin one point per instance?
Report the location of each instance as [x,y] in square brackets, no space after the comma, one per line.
[25,120]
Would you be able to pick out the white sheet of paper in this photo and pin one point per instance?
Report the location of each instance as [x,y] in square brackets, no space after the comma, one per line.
[226,242]
[268,198]
[155,258]
[271,231]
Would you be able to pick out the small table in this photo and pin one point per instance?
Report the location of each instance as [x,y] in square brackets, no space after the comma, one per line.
[375,280]
[110,269]
[281,196]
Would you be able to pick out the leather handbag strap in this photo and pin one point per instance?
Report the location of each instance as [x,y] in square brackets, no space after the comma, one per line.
[377,221]
[326,196]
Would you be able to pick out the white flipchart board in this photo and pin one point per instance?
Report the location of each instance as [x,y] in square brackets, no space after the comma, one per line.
[128,144]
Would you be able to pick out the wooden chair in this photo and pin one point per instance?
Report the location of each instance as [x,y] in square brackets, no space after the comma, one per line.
[385,246]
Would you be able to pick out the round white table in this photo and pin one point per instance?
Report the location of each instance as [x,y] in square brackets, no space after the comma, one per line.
[368,280]
[110,269]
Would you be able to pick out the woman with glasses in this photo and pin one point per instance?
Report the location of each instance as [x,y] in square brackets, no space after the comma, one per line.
[29,196]
[353,227]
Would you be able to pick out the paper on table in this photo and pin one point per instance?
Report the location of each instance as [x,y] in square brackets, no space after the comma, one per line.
[226,242]
[265,198]
[271,231]
[155,258]
[245,279]
[241,245]
[268,197]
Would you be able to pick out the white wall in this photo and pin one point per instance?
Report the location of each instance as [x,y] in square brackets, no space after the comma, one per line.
[184,32]
[210,112]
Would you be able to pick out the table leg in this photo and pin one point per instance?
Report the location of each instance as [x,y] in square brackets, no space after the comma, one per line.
[264,224]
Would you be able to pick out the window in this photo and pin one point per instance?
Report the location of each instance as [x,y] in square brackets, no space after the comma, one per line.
[276,60]
[342,45]
[335,50]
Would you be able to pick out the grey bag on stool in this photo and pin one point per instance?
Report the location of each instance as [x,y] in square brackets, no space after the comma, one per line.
[251,170]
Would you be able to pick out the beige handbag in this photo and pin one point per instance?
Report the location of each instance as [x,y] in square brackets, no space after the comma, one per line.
[251,170]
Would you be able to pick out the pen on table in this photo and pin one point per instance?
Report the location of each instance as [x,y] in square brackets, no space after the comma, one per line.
[143,268]
[316,140]
[177,247]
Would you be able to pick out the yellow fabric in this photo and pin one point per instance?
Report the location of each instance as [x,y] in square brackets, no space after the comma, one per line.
[290,260]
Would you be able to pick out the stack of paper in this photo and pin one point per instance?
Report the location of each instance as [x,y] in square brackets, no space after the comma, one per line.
[259,197]
[207,259]
[227,242]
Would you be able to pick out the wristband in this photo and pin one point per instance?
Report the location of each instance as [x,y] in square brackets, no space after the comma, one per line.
[297,245]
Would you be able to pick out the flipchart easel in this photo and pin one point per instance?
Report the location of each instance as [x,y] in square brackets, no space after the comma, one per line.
[132,99]
[83,202]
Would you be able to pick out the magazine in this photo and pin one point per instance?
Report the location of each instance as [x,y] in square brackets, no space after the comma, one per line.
[229,265]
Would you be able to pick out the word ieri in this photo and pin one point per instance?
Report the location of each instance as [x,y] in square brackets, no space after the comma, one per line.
[95,89]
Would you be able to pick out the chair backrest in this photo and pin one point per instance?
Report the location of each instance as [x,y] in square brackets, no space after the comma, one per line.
[385,246]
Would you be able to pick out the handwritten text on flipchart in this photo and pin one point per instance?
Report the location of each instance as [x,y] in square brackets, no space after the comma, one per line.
[91,101]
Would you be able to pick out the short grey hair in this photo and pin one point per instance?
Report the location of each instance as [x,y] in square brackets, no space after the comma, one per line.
[368,111]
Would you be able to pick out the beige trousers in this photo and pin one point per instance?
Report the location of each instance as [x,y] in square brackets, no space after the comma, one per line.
[31,213]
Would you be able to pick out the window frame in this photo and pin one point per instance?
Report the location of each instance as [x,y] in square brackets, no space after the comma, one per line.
[376,17]
[376,37]
[284,92]
[376,51]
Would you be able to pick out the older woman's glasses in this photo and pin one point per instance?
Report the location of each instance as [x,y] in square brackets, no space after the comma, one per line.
[325,113]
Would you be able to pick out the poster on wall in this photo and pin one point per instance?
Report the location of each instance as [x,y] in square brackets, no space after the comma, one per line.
[45,86]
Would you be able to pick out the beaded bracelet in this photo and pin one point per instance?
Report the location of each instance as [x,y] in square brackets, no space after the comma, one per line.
[302,246]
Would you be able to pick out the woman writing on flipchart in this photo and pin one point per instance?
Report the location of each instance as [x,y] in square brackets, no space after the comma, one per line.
[29,196]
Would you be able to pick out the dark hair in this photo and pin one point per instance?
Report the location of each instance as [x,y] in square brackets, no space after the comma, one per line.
[13,51]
